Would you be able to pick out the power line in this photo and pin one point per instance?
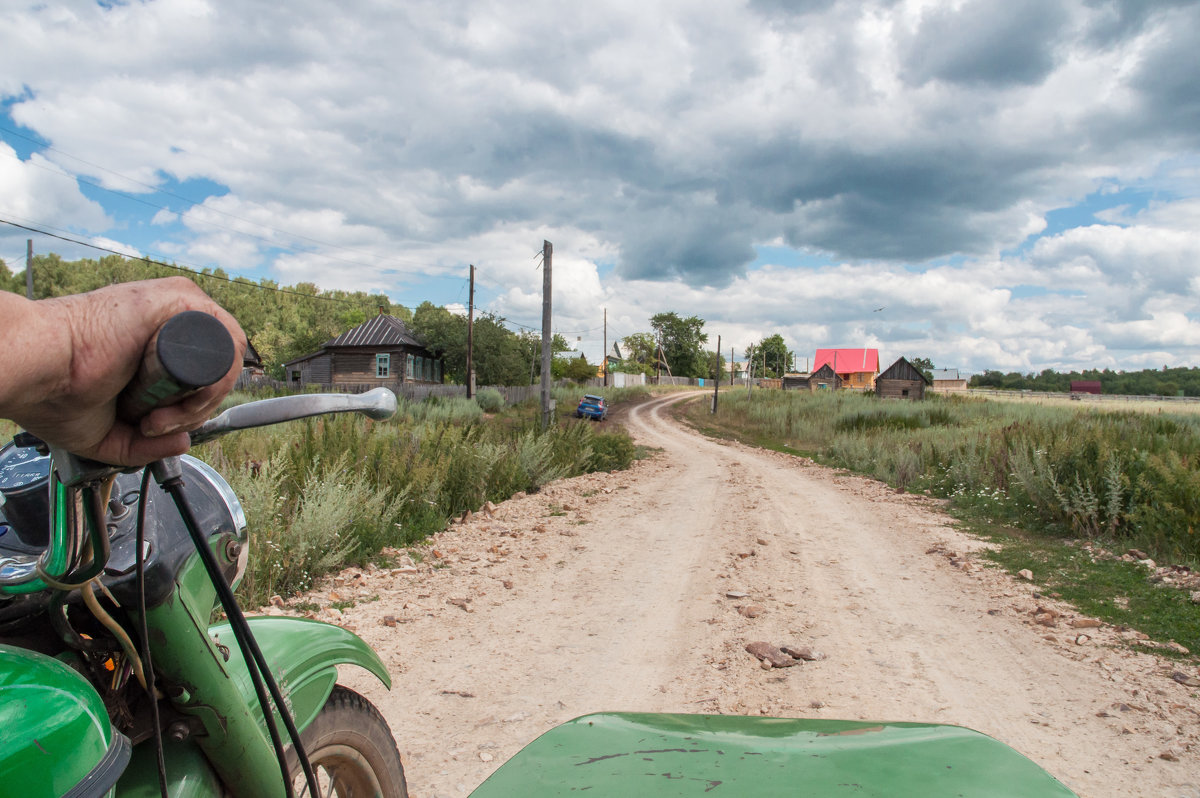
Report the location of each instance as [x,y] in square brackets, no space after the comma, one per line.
[243,281]
[194,203]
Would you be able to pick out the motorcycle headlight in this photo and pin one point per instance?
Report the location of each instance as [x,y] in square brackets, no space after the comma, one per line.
[232,504]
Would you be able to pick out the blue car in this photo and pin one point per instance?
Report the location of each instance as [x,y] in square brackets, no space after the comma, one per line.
[594,407]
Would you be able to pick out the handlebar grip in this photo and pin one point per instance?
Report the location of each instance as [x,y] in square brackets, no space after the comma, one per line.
[190,351]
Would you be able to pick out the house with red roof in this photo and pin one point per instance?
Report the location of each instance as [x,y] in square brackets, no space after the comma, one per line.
[857,367]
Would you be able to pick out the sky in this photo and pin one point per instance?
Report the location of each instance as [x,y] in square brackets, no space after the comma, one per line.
[991,184]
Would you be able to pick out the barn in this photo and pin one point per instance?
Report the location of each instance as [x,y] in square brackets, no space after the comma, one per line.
[822,379]
[380,351]
[901,380]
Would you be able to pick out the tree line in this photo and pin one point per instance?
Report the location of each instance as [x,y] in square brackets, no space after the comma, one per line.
[284,322]
[1180,381]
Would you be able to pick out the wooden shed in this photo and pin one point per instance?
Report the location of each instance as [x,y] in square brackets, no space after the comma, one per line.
[1086,386]
[901,380]
[380,351]
[821,379]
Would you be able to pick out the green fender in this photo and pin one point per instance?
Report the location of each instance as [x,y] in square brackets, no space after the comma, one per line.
[656,756]
[302,655]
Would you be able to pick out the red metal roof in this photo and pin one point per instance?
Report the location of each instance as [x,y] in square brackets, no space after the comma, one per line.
[844,361]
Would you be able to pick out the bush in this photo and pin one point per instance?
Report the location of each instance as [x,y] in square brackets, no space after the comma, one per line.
[490,400]
[611,451]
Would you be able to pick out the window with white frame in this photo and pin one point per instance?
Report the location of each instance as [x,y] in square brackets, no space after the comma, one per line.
[383,366]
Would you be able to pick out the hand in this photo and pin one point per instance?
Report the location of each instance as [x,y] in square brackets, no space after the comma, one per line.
[69,358]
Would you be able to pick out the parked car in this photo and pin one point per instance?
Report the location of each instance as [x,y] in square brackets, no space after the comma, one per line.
[594,407]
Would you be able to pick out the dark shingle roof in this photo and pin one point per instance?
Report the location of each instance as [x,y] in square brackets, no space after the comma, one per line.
[377,331]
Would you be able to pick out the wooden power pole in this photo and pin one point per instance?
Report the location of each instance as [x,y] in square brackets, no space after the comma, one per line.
[471,336]
[29,268]
[547,256]
[717,371]
[604,353]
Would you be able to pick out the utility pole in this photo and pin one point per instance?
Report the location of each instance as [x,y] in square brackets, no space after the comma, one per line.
[717,371]
[749,370]
[604,354]
[471,337]
[29,268]
[732,366]
[547,407]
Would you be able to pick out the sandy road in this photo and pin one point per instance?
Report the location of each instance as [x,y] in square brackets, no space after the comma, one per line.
[609,592]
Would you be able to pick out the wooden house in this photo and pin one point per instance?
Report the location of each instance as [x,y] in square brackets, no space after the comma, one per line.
[1086,386]
[856,367]
[824,378]
[252,365]
[901,380]
[946,380]
[380,351]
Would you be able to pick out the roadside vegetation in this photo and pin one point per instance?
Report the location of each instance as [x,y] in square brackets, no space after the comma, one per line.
[1040,480]
[328,492]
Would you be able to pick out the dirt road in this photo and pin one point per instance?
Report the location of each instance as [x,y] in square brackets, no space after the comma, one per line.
[610,592]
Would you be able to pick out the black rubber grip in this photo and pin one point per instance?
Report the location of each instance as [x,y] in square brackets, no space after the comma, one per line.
[190,351]
[195,349]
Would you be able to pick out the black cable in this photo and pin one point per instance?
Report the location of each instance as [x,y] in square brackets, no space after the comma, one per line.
[147,663]
[244,281]
[256,664]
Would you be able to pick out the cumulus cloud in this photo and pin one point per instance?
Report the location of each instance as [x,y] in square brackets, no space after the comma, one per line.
[915,147]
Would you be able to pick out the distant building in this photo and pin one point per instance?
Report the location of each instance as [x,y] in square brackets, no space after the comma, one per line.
[901,380]
[822,379]
[945,380]
[1085,386]
[856,368]
[380,351]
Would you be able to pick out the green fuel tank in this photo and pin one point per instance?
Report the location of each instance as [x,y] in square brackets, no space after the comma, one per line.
[57,738]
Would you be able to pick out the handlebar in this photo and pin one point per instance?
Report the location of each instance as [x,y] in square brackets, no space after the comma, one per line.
[190,351]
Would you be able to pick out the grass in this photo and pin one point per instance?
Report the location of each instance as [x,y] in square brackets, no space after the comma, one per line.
[1039,479]
[328,492]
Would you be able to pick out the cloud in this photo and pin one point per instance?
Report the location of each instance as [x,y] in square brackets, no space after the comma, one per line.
[986,42]
[916,147]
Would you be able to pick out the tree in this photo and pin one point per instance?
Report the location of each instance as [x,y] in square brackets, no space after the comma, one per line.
[579,370]
[778,358]
[500,357]
[716,366]
[640,353]
[682,341]
[923,365]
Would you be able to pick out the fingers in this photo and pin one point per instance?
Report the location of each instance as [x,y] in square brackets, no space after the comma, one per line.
[126,446]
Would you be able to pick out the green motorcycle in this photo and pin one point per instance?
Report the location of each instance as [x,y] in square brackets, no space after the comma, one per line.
[113,681]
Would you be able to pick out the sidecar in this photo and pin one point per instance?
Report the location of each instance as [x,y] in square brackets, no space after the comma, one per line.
[700,755]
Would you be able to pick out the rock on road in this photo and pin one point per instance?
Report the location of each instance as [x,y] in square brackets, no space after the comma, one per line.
[613,592]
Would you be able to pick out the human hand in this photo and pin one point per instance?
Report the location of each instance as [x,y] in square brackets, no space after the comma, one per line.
[73,356]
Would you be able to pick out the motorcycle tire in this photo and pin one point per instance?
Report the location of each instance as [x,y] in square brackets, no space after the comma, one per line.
[351,750]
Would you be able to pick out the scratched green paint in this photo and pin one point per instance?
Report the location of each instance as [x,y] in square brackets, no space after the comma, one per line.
[655,755]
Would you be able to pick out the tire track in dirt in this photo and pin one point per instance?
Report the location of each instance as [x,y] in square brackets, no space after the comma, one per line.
[608,592]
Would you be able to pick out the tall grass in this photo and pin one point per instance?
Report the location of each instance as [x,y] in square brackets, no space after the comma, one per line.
[1126,477]
[325,492]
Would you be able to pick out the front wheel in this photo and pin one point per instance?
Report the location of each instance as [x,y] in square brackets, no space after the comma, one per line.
[351,750]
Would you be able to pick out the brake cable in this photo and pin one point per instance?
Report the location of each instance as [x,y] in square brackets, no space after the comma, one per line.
[150,683]
[169,476]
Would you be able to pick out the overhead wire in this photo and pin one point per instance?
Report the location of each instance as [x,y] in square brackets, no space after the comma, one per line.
[244,281]
[194,203]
